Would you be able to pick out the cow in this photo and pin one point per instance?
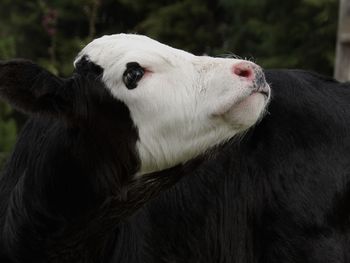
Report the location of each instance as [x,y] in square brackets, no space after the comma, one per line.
[134,117]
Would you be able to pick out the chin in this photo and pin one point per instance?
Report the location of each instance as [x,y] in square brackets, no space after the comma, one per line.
[248,112]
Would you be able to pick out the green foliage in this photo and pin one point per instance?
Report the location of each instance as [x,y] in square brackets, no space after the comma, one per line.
[189,24]
[8,131]
[289,33]
[295,34]
[7,128]
[7,47]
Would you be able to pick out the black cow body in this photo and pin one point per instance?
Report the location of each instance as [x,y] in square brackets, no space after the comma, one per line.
[281,194]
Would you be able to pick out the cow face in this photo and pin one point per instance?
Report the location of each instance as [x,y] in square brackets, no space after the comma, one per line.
[181,104]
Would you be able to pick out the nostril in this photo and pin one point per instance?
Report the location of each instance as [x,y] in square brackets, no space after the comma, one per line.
[243,70]
[245,73]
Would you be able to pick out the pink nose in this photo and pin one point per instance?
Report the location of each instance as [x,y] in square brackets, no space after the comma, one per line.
[244,70]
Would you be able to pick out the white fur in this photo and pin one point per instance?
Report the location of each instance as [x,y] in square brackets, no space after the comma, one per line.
[185,106]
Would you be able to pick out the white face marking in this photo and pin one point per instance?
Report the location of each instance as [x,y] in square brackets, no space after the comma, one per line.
[184,104]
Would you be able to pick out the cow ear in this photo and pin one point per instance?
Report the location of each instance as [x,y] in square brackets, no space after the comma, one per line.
[32,89]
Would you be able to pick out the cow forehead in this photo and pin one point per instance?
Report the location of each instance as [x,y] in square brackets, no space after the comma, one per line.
[110,49]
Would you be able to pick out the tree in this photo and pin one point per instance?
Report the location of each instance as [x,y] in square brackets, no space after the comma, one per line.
[295,34]
[193,25]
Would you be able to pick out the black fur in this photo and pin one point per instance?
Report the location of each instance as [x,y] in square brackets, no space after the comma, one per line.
[282,194]
[69,181]
[31,89]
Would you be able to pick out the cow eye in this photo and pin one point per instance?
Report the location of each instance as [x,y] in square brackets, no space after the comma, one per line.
[132,75]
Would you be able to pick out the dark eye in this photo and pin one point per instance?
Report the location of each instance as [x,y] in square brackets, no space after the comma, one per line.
[132,75]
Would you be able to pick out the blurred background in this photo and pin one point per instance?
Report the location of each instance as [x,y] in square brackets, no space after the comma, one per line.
[273,33]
